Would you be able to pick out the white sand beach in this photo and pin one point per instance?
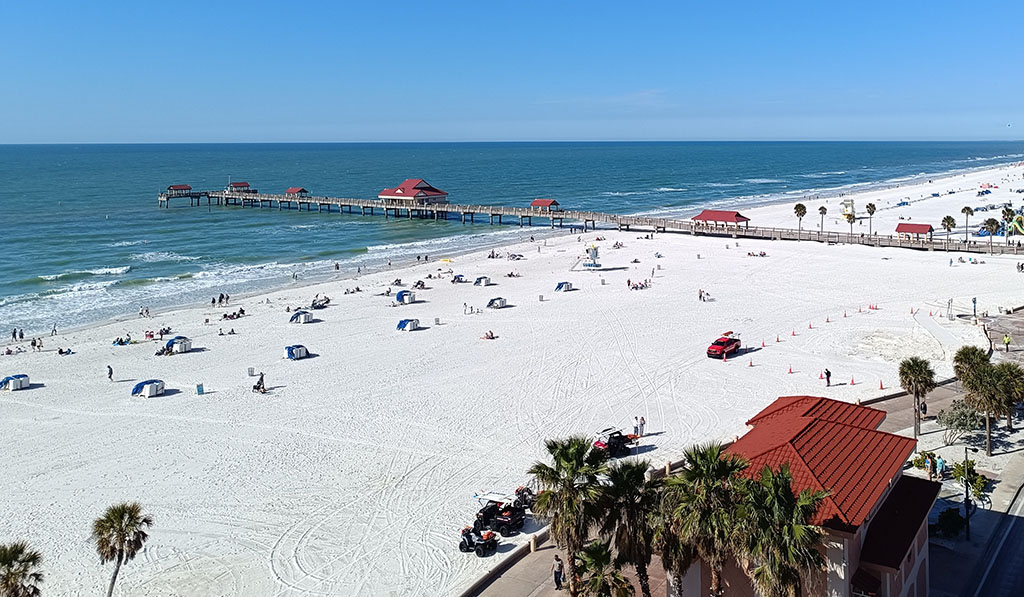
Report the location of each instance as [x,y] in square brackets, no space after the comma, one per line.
[355,472]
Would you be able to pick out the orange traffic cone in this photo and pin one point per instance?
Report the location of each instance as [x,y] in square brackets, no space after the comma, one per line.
[762,343]
[725,357]
[777,339]
[809,326]
[826,319]
[880,386]
[858,309]
[794,332]
[844,313]
[929,314]
[851,381]
[751,363]
[791,369]
[821,375]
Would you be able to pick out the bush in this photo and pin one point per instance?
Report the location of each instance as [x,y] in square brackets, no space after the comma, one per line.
[959,420]
[977,482]
[951,523]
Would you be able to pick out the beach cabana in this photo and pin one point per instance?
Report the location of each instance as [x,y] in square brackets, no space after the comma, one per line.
[405,297]
[482,281]
[14,382]
[148,388]
[497,303]
[296,352]
[714,217]
[906,230]
[408,325]
[414,191]
[563,287]
[179,344]
[301,317]
[545,205]
[296,192]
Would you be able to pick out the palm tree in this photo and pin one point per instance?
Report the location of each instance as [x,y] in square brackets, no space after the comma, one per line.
[571,491]
[119,535]
[969,361]
[871,209]
[709,506]
[1008,215]
[823,210]
[948,224]
[991,226]
[781,542]
[850,218]
[600,577]
[19,570]
[917,378]
[800,210]
[983,394]
[676,555]
[968,212]
[629,505]
[1009,388]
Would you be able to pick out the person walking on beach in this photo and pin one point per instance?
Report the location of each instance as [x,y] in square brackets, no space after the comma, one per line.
[14,335]
[53,332]
[924,410]
[32,345]
[110,373]
[21,335]
[940,468]
[828,378]
[928,466]
[643,423]
[557,572]
[636,425]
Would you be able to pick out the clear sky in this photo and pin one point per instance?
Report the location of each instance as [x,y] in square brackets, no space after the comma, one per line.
[389,70]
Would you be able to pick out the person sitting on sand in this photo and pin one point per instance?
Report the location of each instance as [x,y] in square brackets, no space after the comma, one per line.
[488,336]
[231,332]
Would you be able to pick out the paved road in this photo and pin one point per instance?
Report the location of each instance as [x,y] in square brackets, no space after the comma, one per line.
[1005,573]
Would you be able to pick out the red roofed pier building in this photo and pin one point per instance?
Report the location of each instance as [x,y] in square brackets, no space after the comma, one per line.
[711,218]
[240,187]
[297,192]
[545,205]
[414,191]
[906,230]
[179,190]
[875,519]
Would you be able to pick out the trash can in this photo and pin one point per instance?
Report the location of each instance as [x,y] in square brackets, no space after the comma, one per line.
[199,389]
[252,371]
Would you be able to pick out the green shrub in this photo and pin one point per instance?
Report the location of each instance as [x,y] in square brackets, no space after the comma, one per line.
[951,523]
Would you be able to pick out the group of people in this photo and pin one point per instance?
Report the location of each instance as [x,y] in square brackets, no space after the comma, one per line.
[352,290]
[36,344]
[123,341]
[221,299]
[638,285]
[231,332]
[17,335]
[638,426]
[1020,268]
[235,315]
[143,311]
[936,467]
[703,296]
[513,275]
[150,334]
[259,386]
[753,254]
[488,336]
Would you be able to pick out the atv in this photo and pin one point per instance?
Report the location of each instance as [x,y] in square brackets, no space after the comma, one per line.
[614,442]
[525,497]
[484,544]
[500,513]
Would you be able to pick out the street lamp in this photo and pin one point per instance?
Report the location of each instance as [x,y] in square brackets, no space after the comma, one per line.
[967,492]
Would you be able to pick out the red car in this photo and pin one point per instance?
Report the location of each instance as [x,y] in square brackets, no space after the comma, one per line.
[728,344]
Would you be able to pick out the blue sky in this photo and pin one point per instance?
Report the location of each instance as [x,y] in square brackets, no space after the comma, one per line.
[223,71]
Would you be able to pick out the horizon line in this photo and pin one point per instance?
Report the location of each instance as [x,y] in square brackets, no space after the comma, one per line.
[42,143]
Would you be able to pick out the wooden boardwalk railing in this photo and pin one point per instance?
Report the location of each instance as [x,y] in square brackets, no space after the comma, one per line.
[589,219]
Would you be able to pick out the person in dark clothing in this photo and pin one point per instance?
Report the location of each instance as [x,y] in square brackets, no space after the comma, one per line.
[828,377]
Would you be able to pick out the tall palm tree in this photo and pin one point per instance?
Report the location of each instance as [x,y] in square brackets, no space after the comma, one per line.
[969,361]
[983,394]
[871,209]
[968,212]
[823,210]
[948,224]
[917,378]
[119,535]
[20,575]
[676,555]
[781,542]
[629,506]
[1008,215]
[991,226]
[709,506]
[1009,378]
[601,577]
[850,218]
[800,210]
[571,492]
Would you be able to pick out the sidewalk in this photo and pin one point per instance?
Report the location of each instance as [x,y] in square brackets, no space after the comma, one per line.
[531,576]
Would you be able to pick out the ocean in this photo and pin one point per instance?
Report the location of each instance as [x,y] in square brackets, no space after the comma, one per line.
[84,240]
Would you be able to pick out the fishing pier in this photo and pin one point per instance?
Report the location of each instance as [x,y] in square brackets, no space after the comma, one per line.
[242,196]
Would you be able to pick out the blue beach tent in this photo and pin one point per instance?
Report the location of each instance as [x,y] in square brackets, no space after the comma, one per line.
[170,343]
[408,325]
[296,316]
[6,382]
[138,387]
[400,297]
[296,352]
[563,287]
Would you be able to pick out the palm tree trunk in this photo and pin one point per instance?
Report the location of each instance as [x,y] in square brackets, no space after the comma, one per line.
[570,567]
[644,579]
[917,416]
[113,579]
[677,582]
[988,433]
[716,583]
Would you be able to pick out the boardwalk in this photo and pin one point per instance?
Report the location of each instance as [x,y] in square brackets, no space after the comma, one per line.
[587,219]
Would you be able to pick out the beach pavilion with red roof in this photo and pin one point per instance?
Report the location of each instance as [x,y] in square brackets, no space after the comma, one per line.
[240,186]
[714,217]
[297,192]
[414,191]
[179,189]
[906,230]
[545,205]
[875,518]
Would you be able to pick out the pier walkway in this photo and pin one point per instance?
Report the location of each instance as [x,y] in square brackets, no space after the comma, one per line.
[588,219]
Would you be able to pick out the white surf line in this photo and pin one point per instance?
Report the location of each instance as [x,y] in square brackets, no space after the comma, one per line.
[995,556]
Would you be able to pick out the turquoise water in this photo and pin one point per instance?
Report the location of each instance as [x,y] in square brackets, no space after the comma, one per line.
[84,240]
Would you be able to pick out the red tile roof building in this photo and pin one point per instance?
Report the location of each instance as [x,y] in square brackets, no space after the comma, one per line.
[544,204]
[296,191]
[414,190]
[876,520]
[179,187]
[917,229]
